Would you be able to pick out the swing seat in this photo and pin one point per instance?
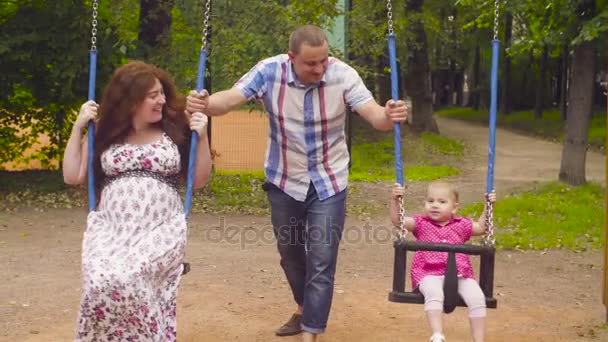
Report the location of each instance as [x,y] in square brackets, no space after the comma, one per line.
[486,270]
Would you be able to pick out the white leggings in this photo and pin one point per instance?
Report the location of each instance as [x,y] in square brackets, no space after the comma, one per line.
[431,287]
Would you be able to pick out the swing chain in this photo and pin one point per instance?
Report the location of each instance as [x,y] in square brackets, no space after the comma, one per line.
[94,29]
[489,239]
[496,9]
[389,15]
[206,24]
[402,231]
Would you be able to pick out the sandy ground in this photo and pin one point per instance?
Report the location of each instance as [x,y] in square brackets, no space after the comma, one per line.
[237,292]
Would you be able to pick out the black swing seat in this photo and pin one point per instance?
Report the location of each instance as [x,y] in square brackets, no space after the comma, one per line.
[486,269]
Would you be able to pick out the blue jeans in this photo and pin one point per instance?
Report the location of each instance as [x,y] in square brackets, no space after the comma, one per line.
[308,235]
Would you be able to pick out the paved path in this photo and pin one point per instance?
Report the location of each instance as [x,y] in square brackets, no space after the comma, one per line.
[520,160]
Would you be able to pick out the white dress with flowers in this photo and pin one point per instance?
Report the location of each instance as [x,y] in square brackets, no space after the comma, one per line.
[134,247]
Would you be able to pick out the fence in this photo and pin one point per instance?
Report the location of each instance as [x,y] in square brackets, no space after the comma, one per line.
[238,141]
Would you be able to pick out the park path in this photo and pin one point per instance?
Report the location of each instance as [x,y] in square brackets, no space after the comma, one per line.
[520,160]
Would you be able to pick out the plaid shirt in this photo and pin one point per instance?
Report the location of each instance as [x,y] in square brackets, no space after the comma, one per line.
[306,141]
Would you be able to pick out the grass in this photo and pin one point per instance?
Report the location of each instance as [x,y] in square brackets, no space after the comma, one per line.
[226,192]
[36,180]
[441,145]
[375,160]
[231,192]
[550,126]
[553,215]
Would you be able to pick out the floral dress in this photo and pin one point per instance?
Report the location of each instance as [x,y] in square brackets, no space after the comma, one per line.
[133,247]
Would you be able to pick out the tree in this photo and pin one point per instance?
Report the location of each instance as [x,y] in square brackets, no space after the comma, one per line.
[580,98]
[540,86]
[44,74]
[44,69]
[245,32]
[505,87]
[572,169]
[413,22]
[550,24]
[155,24]
[419,72]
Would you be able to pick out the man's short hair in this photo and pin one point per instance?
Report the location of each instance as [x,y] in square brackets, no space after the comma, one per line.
[309,34]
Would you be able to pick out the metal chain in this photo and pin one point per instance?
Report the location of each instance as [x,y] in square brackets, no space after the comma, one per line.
[402,231]
[489,239]
[389,15]
[94,27]
[496,12]
[206,24]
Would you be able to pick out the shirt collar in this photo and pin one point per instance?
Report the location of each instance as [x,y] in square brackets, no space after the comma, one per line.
[454,219]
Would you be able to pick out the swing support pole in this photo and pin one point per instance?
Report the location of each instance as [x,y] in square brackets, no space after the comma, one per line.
[392,54]
[200,83]
[194,137]
[91,96]
[395,97]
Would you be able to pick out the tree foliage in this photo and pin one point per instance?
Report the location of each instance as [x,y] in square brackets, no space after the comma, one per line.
[550,22]
[44,70]
[44,73]
[44,47]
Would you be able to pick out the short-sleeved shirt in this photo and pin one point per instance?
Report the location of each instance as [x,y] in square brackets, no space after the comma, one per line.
[306,141]
[457,231]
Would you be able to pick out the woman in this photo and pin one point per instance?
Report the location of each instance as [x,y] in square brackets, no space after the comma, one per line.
[135,240]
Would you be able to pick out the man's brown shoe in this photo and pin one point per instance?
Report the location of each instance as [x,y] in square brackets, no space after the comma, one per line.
[292,327]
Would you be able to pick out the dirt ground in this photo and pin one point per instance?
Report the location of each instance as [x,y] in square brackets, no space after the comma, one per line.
[237,292]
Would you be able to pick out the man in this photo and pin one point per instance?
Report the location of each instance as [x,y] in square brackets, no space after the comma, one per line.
[306,94]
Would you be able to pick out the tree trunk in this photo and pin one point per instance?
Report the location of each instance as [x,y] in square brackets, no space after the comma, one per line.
[523,102]
[419,74]
[572,170]
[155,23]
[505,104]
[452,83]
[456,73]
[475,87]
[539,106]
[563,83]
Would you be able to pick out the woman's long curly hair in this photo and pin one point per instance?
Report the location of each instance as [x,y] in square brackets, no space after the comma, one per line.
[126,90]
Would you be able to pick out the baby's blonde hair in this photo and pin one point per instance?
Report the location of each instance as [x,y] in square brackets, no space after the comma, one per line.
[445,185]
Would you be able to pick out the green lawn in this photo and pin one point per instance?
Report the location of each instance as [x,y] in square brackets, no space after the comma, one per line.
[553,215]
[375,160]
[230,192]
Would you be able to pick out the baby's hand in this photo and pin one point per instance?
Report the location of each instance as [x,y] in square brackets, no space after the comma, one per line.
[397,191]
[491,197]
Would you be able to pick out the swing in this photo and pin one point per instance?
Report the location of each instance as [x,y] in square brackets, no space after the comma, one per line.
[193,138]
[485,251]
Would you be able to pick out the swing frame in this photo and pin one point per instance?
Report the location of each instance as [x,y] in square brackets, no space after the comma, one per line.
[200,80]
[486,251]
